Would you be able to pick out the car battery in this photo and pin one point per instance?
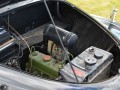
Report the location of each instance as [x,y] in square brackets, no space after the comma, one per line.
[92,65]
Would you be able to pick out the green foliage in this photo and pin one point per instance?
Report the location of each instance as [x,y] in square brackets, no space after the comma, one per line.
[98,7]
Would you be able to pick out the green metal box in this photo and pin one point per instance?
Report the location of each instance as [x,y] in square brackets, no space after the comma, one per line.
[50,68]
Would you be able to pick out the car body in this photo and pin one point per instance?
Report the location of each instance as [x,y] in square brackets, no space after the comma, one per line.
[11,79]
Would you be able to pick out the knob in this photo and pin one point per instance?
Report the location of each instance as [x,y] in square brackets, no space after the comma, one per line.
[90,60]
[91,49]
[98,55]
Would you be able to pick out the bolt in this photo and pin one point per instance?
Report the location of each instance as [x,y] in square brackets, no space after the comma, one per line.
[91,49]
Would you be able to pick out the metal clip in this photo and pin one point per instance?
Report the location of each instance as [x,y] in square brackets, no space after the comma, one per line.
[113,14]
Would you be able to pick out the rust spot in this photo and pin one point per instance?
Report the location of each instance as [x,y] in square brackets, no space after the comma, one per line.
[47,57]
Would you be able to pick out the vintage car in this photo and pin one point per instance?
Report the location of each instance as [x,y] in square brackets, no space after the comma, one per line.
[53,45]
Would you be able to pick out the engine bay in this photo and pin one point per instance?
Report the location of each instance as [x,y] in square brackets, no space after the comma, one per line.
[35,47]
[92,65]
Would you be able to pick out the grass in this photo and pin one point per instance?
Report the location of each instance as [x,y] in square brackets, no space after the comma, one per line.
[98,7]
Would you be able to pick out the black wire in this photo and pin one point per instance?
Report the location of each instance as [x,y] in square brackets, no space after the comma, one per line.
[60,39]
[52,49]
